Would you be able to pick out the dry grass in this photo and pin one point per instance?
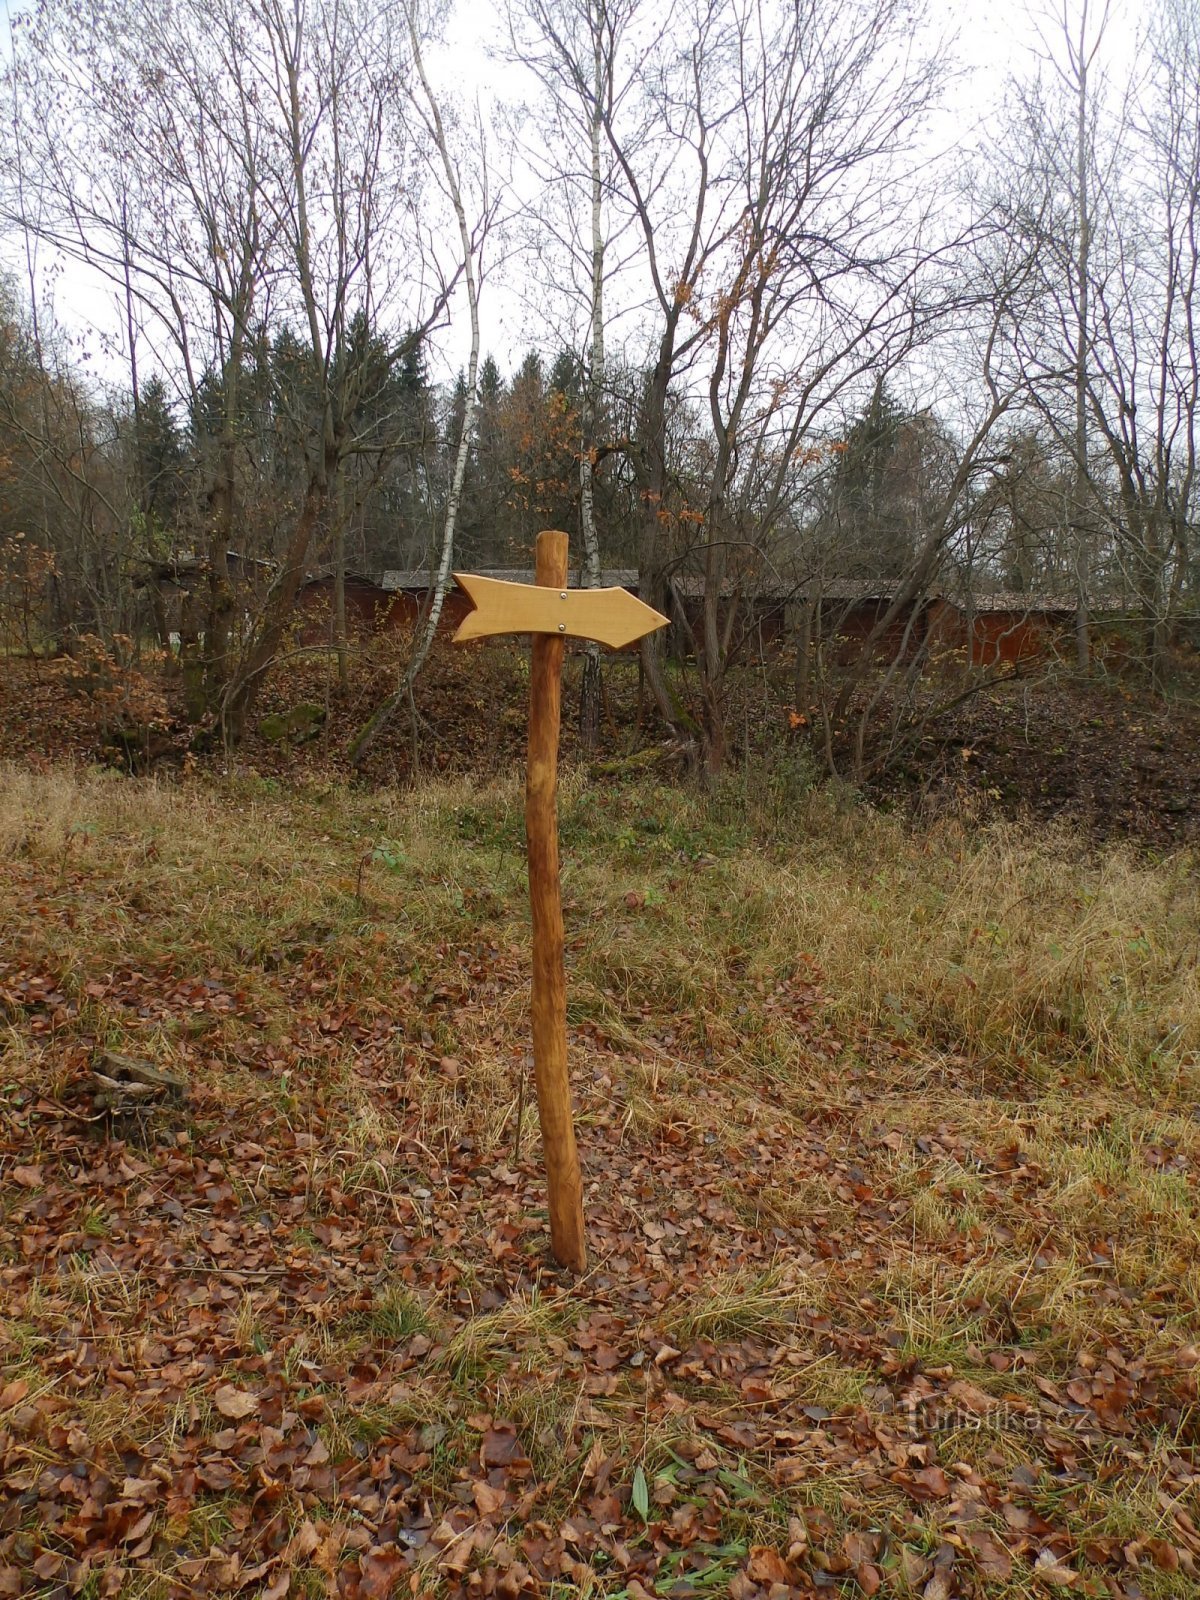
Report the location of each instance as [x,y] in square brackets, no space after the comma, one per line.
[1044,994]
[737,1304]
[521,1332]
[998,943]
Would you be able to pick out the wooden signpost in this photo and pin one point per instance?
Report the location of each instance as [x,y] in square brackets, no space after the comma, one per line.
[552,613]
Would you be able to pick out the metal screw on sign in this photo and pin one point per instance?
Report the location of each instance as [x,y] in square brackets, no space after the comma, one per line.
[615,618]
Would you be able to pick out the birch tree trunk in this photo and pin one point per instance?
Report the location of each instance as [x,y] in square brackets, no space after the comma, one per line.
[470,251]
[1082,282]
[592,688]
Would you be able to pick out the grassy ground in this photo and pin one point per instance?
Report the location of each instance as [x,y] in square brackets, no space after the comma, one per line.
[890,1157]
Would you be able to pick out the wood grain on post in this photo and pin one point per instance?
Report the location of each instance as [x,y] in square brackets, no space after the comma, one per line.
[564,1182]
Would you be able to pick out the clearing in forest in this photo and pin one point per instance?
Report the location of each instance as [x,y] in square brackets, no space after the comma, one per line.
[890,1159]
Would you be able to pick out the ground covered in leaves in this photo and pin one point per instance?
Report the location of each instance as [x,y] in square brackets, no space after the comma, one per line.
[890,1154]
[1101,752]
[1117,761]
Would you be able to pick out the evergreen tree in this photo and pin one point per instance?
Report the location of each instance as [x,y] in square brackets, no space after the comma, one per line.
[566,377]
[884,485]
[161,455]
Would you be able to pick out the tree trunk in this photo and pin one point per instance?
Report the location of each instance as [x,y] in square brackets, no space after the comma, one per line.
[650,566]
[804,655]
[218,619]
[191,659]
[1083,645]
[384,713]
[591,697]
[339,586]
[1153,600]
[712,656]
[713,741]
[278,612]
[1082,268]
[592,688]
[162,626]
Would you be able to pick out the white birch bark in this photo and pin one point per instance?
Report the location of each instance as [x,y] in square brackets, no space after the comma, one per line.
[470,253]
[1082,58]
[589,706]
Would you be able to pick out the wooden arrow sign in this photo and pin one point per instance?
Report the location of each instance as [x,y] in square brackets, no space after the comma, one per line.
[552,613]
[612,616]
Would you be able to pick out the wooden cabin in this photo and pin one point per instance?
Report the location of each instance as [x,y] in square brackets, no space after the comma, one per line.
[1003,627]
[762,614]
[370,607]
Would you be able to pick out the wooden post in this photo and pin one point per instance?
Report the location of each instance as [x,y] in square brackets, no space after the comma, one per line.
[561,1155]
[552,613]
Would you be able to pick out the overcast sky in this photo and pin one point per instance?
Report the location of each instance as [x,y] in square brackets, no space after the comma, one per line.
[994,39]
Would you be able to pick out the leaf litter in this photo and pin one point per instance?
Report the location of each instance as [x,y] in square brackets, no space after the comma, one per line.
[846,1327]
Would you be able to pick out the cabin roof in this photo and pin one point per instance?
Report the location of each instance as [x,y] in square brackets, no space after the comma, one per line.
[771,588]
[419,580]
[1015,600]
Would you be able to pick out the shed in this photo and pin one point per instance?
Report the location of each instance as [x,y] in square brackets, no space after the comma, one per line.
[370,608]
[1003,627]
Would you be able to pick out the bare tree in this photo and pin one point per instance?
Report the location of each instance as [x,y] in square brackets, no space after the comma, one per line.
[472,235]
[572,47]
[1108,172]
[139,164]
[1081,36]
[763,161]
[334,70]
[1146,381]
[231,168]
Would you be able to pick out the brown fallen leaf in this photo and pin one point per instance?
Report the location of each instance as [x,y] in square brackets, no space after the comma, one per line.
[1048,1569]
[379,1572]
[235,1403]
[303,1542]
[216,1475]
[328,1554]
[860,1547]
[27,1177]
[12,1394]
[456,1556]
[139,1528]
[487,1500]
[767,1566]
[140,1491]
[929,1483]
[940,1586]
[993,1558]
[1163,1554]
[1021,1520]
[514,1582]
[501,1448]
[914,1566]
[971,1396]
